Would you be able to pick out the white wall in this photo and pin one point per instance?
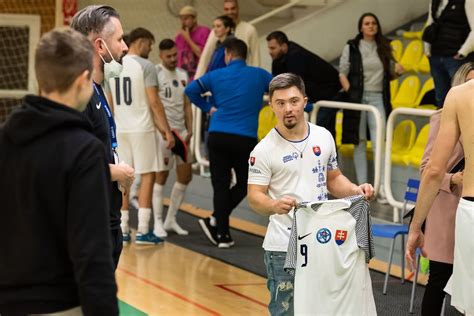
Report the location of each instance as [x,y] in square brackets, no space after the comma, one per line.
[155,16]
[325,32]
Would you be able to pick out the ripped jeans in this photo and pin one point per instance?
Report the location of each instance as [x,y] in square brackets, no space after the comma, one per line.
[279,283]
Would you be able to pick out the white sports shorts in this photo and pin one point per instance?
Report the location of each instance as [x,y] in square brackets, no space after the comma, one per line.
[138,150]
[166,158]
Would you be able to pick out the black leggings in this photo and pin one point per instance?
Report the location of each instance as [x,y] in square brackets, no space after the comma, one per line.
[434,292]
[226,152]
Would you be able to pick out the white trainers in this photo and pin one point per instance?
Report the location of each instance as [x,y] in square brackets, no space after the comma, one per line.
[173,226]
[159,231]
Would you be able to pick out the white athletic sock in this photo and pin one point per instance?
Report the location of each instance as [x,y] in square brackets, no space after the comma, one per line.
[177,195]
[124,223]
[212,221]
[158,210]
[144,215]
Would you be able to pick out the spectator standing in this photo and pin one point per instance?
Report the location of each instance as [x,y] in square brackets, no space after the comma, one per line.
[101,24]
[222,28]
[190,40]
[365,70]
[449,41]
[54,189]
[243,30]
[237,92]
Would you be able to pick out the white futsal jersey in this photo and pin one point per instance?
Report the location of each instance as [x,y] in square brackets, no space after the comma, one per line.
[132,111]
[297,169]
[330,246]
[171,85]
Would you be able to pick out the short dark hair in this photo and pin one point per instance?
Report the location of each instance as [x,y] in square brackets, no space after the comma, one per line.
[228,22]
[278,36]
[285,81]
[166,44]
[237,47]
[139,33]
[61,56]
[93,18]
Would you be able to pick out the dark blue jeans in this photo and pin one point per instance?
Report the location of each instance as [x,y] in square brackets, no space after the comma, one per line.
[443,69]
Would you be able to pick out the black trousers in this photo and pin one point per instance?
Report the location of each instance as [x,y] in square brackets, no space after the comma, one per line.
[117,244]
[434,294]
[226,152]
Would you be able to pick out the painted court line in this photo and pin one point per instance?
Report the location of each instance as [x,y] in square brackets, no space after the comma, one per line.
[225,288]
[172,293]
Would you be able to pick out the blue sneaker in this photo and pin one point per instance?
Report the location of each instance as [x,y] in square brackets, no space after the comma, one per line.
[126,238]
[147,239]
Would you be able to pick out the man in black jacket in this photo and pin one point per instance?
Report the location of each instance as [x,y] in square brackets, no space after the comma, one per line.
[320,78]
[102,26]
[55,250]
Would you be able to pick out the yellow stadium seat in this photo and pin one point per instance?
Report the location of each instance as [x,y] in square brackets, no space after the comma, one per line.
[414,156]
[339,116]
[266,121]
[345,150]
[412,55]
[424,65]
[404,136]
[397,49]
[427,86]
[412,34]
[407,93]
[393,88]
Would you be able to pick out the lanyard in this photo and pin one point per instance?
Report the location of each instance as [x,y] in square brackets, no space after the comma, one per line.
[105,106]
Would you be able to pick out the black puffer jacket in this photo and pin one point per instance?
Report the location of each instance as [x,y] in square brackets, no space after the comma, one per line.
[350,125]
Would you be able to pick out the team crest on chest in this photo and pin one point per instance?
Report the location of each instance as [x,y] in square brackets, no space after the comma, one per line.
[341,236]
[175,83]
[317,150]
[323,236]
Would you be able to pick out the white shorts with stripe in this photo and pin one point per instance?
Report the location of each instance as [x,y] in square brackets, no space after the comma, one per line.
[139,151]
[166,158]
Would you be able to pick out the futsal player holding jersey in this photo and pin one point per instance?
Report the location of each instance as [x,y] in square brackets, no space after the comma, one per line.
[295,162]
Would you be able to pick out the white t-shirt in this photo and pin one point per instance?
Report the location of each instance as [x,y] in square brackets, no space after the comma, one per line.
[132,111]
[296,169]
[330,246]
[171,85]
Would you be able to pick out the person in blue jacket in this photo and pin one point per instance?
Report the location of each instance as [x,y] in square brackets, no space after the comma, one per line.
[237,93]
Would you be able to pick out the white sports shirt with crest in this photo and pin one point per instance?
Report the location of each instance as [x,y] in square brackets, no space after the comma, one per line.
[297,169]
[330,246]
[171,85]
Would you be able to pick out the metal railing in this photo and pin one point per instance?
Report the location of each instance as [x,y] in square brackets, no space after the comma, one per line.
[388,152]
[275,11]
[380,124]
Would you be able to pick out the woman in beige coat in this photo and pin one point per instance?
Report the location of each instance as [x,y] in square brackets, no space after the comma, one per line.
[439,227]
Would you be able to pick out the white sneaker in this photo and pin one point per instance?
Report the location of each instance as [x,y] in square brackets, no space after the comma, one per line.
[173,225]
[159,230]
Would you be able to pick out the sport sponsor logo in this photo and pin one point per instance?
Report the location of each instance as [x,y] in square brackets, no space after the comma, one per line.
[255,170]
[290,157]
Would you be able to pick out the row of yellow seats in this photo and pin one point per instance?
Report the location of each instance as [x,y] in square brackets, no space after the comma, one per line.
[412,58]
[407,147]
[408,93]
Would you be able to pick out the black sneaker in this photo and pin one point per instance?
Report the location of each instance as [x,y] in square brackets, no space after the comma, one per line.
[209,230]
[224,241]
